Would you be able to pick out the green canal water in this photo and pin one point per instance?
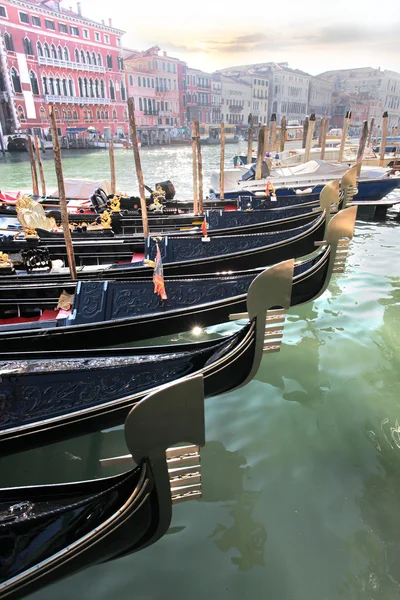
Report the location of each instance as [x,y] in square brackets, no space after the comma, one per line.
[301,469]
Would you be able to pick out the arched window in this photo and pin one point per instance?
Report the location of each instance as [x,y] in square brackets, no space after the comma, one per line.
[44,82]
[57,114]
[99,59]
[39,49]
[94,58]
[64,114]
[71,87]
[154,107]
[64,87]
[34,82]
[69,114]
[152,83]
[53,51]
[109,61]
[106,114]
[144,81]
[96,88]
[46,50]
[8,42]
[42,114]
[98,115]
[148,82]
[80,86]
[91,91]
[27,46]
[85,84]
[82,57]
[112,90]
[84,114]
[16,80]
[114,114]
[58,86]
[125,114]
[75,114]
[102,89]
[88,59]
[123,91]
[76,55]
[59,52]
[144,104]
[102,114]
[89,114]
[66,53]
[51,85]
[140,104]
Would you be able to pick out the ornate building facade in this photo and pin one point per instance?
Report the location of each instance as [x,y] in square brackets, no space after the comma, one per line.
[51,55]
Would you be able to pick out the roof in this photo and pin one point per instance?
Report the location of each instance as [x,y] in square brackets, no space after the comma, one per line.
[43,5]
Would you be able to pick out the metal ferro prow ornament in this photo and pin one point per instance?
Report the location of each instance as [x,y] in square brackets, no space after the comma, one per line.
[176,469]
[349,184]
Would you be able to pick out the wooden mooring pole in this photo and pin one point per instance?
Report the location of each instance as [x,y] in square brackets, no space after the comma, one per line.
[363,142]
[250,140]
[112,168]
[305,130]
[194,166]
[61,193]
[385,125]
[283,135]
[260,152]
[40,165]
[139,172]
[35,187]
[222,164]
[273,133]
[310,133]
[371,127]
[345,131]
[199,167]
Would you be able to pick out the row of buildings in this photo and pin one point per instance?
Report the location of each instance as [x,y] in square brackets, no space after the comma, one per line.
[50,54]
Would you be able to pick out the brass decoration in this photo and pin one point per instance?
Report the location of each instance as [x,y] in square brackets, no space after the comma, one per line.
[65,301]
[5,262]
[115,204]
[31,215]
[30,232]
[105,218]
[158,199]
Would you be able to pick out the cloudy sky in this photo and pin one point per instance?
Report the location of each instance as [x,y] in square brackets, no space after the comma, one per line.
[313,35]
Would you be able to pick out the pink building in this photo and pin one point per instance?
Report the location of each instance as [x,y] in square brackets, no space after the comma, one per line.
[49,54]
[153,81]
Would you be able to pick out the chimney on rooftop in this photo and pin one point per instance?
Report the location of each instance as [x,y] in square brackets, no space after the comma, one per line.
[164,53]
[110,22]
[102,22]
[79,8]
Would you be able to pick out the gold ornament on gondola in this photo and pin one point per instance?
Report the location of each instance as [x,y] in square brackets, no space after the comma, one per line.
[105,218]
[31,215]
[115,204]
[5,262]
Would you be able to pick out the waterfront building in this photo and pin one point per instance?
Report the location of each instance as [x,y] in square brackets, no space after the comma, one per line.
[154,80]
[198,96]
[216,98]
[361,106]
[320,97]
[259,91]
[235,101]
[380,84]
[53,55]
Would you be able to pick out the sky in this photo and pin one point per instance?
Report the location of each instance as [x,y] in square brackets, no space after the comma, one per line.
[312,35]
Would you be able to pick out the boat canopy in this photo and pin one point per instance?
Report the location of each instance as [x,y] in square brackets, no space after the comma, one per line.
[83,188]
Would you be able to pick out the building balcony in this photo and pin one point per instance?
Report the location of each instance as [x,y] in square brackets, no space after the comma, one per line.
[67,64]
[75,100]
[151,112]
[161,90]
[235,108]
[165,113]
[204,87]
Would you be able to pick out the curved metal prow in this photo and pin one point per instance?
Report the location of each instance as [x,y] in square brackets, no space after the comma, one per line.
[339,233]
[329,195]
[268,299]
[349,184]
[171,415]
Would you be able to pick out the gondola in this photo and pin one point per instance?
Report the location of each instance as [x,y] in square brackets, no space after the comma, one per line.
[124,311]
[48,396]
[49,532]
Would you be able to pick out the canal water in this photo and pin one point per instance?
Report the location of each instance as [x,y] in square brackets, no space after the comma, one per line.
[301,469]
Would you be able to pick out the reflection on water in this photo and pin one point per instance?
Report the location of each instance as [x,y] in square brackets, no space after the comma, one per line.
[301,470]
